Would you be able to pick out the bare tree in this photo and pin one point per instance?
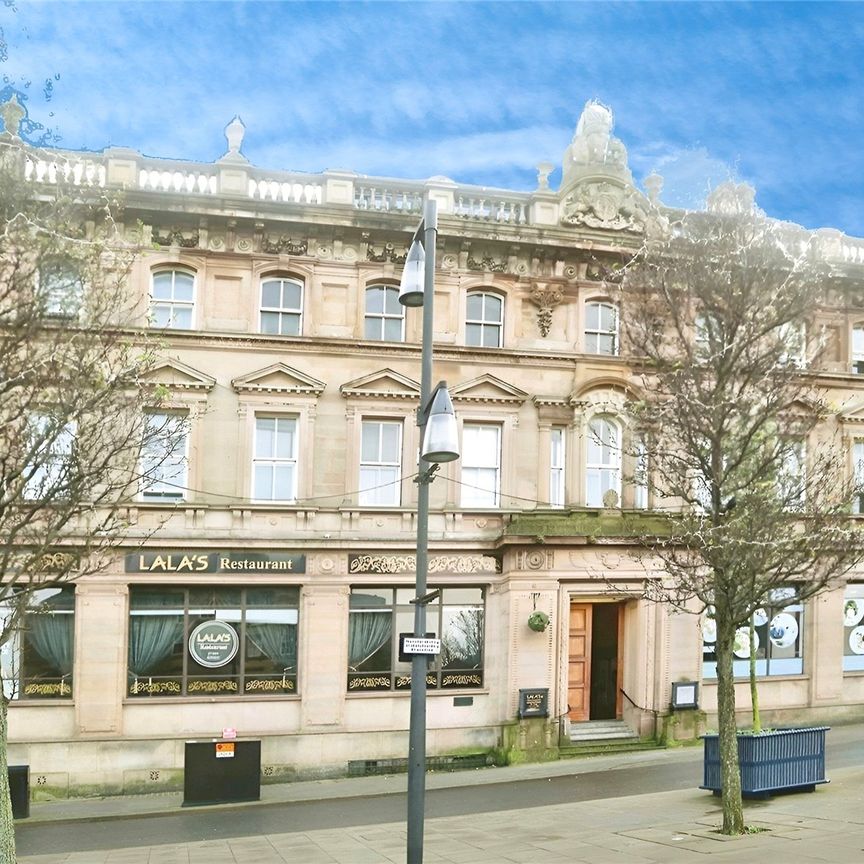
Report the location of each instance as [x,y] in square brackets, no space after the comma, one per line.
[744,459]
[76,439]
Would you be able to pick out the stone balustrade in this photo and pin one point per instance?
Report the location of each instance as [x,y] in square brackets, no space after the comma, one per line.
[78,171]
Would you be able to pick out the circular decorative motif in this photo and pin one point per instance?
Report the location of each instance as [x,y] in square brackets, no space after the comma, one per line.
[217,242]
[448,262]
[323,251]
[326,564]
[856,640]
[349,253]
[783,630]
[570,271]
[244,245]
[535,560]
[709,629]
[853,612]
[481,523]
[522,268]
[760,617]
[741,645]
[213,644]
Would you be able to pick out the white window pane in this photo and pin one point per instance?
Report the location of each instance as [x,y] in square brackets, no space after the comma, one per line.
[370,442]
[286,438]
[372,328]
[292,295]
[265,436]
[289,324]
[184,286]
[263,481]
[390,442]
[392,306]
[473,334]
[269,322]
[491,336]
[393,330]
[182,318]
[271,294]
[475,307]
[284,482]
[493,308]
[375,300]
[162,283]
[858,340]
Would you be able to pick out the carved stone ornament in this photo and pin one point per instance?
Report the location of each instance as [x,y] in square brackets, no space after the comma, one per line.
[487,262]
[177,237]
[546,297]
[284,245]
[387,253]
[437,564]
[604,204]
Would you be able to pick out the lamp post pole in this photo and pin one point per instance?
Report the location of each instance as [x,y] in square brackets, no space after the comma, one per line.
[419,662]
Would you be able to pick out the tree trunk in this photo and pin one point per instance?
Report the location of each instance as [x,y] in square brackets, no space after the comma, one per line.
[754,690]
[730,772]
[7,824]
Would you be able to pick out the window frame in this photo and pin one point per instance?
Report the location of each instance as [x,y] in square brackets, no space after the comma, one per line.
[145,491]
[483,324]
[782,666]
[380,465]
[16,651]
[214,684]
[381,318]
[172,303]
[592,336]
[471,487]
[66,300]
[54,457]
[397,676]
[274,461]
[283,312]
[557,468]
[598,470]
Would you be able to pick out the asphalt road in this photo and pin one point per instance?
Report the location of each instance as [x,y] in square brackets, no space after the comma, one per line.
[845,748]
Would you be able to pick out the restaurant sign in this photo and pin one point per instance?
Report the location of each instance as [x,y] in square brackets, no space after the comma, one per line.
[195,561]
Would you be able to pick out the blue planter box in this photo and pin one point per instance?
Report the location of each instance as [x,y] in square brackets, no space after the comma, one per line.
[771,761]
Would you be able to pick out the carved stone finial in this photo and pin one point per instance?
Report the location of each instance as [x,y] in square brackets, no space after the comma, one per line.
[544,169]
[13,112]
[234,132]
[653,186]
[546,298]
[731,199]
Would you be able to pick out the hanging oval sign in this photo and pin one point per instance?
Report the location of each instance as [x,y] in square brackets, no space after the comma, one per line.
[213,644]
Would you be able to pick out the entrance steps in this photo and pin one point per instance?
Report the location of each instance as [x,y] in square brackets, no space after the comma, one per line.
[603,736]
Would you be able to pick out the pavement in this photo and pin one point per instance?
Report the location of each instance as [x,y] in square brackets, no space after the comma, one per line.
[661,828]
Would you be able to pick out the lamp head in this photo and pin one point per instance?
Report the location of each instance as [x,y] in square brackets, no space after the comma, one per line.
[441,435]
[411,284]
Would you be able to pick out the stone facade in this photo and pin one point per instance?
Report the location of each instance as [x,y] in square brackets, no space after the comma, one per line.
[521,339]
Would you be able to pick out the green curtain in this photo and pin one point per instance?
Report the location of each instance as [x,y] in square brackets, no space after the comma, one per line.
[51,635]
[367,633]
[151,639]
[277,641]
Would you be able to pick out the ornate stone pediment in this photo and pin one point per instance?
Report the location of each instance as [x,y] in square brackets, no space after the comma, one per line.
[175,375]
[384,384]
[278,378]
[607,204]
[488,388]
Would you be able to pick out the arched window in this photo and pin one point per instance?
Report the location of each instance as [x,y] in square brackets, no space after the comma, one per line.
[601,328]
[172,299]
[385,315]
[858,349]
[484,322]
[281,306]
[602,461]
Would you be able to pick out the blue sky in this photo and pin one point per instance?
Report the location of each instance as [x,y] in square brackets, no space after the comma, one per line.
[770,93]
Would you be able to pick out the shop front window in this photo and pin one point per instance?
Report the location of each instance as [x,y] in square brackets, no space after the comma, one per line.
[779,639]
[37,656]
[213,641]
[378,615]
[853,628]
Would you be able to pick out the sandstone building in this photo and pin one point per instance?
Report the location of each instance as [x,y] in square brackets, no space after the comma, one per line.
[290,513]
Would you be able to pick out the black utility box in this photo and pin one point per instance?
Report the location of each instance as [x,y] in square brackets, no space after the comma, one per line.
[19,790]
[220,772]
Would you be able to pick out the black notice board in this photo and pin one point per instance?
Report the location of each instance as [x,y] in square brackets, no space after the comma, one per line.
[212,779]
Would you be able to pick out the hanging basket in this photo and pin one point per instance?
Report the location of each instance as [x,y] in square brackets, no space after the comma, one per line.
[538,621]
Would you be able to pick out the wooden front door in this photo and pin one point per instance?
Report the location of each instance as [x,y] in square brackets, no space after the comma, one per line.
[579,664]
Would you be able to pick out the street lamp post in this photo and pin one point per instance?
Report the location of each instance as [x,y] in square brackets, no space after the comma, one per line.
[439,443]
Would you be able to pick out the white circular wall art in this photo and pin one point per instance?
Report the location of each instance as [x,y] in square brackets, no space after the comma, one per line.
[741,646]
[709,629]
[856,640]
[783,630]
[853,612]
